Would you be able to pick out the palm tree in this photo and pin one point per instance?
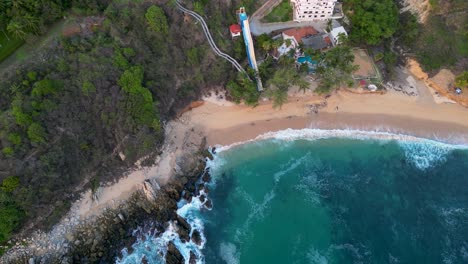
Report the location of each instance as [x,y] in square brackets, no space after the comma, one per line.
[31,23]
[16,29]
[288,42]
[3,23]
[303,84]
[266,46]
[276,44]
[279,96]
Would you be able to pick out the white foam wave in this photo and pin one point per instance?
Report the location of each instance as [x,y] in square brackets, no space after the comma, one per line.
[290,166]
[315,134]
[257,212]
[425,155]
[315,257]
[154,247]
[229,253]
[422,153]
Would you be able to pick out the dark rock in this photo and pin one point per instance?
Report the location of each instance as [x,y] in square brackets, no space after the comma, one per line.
[202,198]
[144,260]
[183,223]
[173,193]
[183,229]
[187,196]
[204,188]
[206,176]
[173,255]
[190,187]
[196,237]
[208,204]
[193,258]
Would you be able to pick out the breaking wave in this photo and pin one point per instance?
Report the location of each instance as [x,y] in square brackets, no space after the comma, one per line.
[421,152]
[153,247]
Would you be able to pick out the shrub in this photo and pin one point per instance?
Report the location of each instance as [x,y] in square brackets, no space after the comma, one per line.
[36,133]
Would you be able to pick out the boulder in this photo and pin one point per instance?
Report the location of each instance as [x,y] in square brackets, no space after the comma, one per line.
[206,176]
[183,229]
[173,255]
[193,258]
[208,204]
[204,188]
[196,237]
[187,196]
[183,223]
[202,198]
[149,190]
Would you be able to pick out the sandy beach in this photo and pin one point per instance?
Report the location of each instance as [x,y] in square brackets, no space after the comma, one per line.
[392,112]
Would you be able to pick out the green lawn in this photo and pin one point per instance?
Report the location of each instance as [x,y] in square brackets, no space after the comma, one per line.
[281,13]
[8,45]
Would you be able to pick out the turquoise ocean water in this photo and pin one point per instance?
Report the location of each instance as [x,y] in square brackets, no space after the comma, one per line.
[317,198]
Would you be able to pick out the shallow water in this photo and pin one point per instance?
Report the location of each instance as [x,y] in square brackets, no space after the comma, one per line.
[332,200]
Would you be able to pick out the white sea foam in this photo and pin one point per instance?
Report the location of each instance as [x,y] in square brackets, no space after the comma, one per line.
[425,155]
[229,253]
[154,247]
[422,153]
[290,166]
[314,134]
[315,257]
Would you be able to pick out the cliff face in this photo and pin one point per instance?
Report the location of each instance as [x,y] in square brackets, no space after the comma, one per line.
[420,8]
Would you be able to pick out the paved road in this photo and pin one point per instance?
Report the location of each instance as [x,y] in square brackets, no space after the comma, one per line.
[215,48]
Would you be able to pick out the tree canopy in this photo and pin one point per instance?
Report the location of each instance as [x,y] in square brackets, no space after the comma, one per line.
[372,20]
[23,17]
[336,69]
[156,19]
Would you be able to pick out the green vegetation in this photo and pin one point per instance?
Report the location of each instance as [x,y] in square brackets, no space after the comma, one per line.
[440,44]
[336,70]
[378,56]
[243,89]
[372,21]
[280,13]
[285,76]
[409,29]
[8,44]
[109,90]
[10,214]
[442,41]
[266,44]
[462,80]
[156,19]
[19,19]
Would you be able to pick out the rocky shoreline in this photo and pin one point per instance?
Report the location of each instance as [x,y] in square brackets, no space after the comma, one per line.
[101,238]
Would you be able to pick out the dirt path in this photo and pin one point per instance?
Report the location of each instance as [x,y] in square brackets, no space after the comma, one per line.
[417,71]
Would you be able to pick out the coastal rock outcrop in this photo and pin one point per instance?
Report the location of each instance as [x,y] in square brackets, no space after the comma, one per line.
[196,237]
[150,186]
[100,238]
[183,229]
[173,255]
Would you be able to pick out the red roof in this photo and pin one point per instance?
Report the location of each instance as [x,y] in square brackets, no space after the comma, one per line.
[235,29]
[299,33]
[327,40]
[362,82]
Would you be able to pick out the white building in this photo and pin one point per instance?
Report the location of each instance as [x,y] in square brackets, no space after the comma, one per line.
[308,10]
[335,34]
